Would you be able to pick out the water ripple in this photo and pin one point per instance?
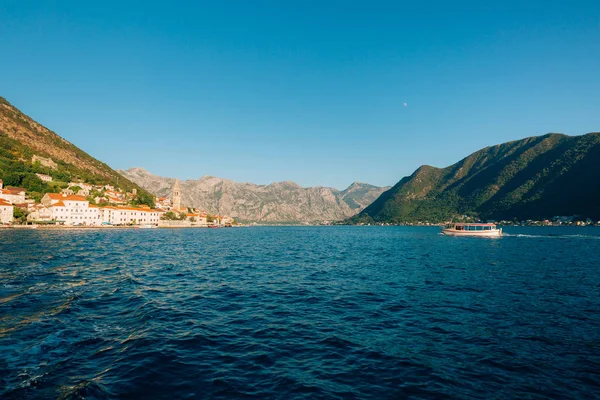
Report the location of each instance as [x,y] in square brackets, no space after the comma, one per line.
[332,312]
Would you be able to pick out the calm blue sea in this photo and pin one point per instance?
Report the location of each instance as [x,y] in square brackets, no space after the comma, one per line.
[299,312]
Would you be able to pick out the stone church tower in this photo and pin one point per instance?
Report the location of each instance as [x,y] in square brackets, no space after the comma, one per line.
[176,195]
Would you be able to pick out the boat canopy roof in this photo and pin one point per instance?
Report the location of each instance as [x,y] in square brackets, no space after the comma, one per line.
[472,224]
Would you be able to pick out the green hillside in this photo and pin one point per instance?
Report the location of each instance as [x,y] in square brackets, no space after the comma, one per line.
[534,178]
[21,138]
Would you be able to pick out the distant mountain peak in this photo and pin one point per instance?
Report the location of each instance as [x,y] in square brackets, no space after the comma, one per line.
[284,201]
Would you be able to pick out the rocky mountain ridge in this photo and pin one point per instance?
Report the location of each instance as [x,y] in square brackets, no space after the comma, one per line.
[278,202]
[533,178]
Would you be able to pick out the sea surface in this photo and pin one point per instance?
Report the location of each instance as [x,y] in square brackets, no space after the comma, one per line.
[299,313]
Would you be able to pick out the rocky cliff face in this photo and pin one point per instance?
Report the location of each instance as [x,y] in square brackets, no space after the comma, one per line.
[277,202]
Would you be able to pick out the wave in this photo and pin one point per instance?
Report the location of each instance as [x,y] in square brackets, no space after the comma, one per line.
[551,236]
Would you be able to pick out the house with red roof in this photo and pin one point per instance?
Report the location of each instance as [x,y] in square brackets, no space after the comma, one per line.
[71,209]
[6,212]
[13,194]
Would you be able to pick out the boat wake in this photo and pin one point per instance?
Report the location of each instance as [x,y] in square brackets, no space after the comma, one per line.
[551,236]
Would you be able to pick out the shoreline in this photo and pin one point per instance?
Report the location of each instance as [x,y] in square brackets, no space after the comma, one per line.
[112,227]
[109,227]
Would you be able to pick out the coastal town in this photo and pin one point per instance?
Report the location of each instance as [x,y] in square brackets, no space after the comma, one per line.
[78,203]
[76,206]
[85,205]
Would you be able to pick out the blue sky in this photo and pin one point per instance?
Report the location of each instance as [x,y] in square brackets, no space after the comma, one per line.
[309,91]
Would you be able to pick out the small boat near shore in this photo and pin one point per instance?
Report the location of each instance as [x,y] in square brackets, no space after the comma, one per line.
[468,229]
[147,226]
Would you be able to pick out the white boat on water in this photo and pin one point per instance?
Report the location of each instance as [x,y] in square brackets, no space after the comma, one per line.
[464,229]
[147,226]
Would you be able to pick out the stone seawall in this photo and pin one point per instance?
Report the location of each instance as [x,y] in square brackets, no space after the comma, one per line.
[180,224]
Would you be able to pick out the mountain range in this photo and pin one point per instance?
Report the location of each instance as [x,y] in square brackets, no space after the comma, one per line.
[278,202]
[533,178]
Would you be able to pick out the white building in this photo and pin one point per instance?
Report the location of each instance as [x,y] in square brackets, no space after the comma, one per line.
[6,212]
[76,210]
[44,177]
[84,190]
[40,212]
[129,215]
[13,195]
[71,209]
[82,185]
[197,218]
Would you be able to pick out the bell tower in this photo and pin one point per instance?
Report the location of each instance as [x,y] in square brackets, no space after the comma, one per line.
[176,195]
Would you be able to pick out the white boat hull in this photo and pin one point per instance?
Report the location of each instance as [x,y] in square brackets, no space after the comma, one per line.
[487,233]
[147,226]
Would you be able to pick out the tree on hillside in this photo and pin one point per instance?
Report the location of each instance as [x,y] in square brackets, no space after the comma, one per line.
[146,198]
[33,184]
[13,179]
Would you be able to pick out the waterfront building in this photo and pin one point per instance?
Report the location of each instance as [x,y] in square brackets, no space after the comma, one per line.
[40,213]
[6,212]
[197,218]
[71,209]
[123,215]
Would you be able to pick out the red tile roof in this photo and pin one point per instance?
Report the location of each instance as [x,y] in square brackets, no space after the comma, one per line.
[145,209]
[61,197]
[15,189]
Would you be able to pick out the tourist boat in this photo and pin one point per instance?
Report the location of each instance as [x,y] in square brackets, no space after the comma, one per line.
[464,229]
[147,226]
